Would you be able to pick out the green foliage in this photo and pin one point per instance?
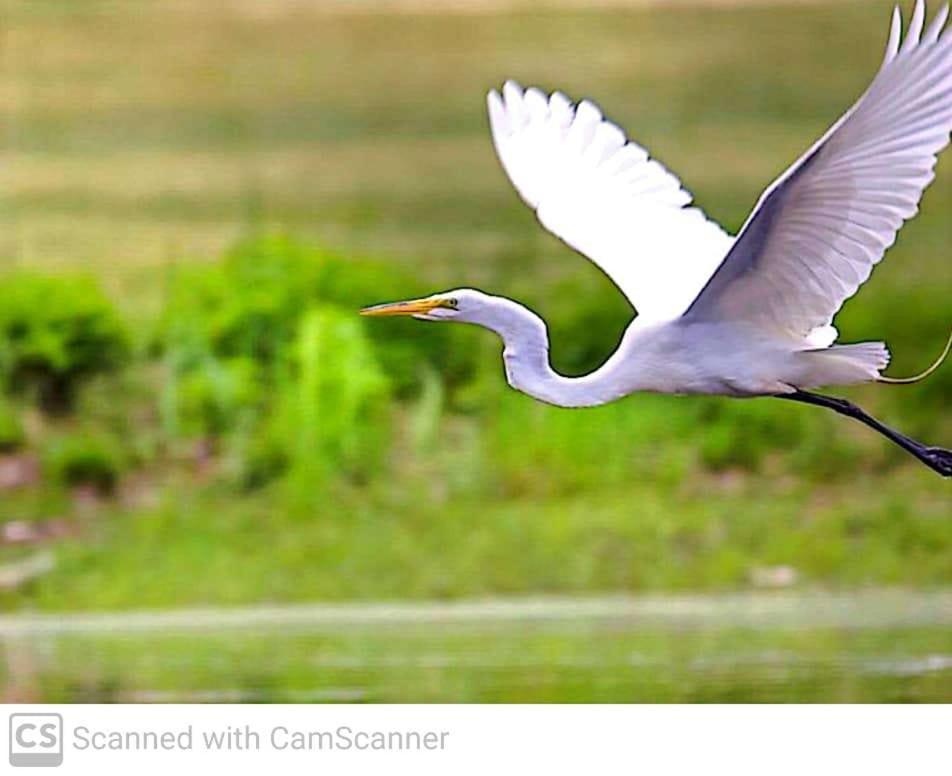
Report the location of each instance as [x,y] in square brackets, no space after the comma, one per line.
[741,433]
[54,333]
[85,458]
[330,414]
[427,412]
[250,306]
[12,433]
[213,396]
[266,351]
[247,306]
[586,323]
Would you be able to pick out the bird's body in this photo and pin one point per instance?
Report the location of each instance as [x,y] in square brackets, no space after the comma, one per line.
[741,316]
[673,357]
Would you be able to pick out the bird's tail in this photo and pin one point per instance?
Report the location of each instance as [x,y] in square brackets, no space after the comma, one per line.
[841,365]
[925,373]
[859,363]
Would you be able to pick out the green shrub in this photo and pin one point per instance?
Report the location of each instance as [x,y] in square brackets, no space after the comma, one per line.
[85,459]
[12,434]
[250,306]
[246,306]
[211,397]
[331,403]
[54,333]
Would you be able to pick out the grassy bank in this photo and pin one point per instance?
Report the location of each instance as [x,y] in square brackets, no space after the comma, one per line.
[253,441]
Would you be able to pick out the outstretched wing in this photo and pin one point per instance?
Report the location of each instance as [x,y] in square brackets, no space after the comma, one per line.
[606,198]
[817,232]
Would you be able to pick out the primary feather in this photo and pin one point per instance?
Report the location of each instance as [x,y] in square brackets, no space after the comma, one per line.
[818,230]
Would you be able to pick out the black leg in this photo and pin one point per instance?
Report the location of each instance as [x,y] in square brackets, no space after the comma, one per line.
[936,458]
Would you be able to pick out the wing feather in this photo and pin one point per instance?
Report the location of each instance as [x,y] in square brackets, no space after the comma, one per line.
[819,229]
[604,196]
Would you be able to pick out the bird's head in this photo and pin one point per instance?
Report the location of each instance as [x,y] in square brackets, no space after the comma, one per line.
[465,305]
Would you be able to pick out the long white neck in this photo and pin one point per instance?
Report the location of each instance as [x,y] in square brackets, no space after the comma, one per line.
[526,358]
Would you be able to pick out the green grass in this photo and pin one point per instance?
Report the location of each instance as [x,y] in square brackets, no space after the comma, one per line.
[442,528]
[366,133]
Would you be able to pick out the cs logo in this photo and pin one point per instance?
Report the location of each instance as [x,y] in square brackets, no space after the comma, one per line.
[36,740]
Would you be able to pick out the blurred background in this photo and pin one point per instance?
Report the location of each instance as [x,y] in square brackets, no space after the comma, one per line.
[217,482]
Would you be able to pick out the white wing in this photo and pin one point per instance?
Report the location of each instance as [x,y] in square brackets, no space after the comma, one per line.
[816,233]
[606,198]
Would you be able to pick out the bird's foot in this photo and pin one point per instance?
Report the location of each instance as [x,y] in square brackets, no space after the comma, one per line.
[939,459]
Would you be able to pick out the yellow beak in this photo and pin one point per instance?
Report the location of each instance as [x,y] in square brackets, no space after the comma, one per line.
[410,307]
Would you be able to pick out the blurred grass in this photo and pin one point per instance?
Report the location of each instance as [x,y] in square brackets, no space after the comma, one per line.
[143,135]
[580,662]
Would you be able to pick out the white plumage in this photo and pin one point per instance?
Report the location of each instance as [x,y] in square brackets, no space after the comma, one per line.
[744,316]
[832,214]
[817,231]
[605,197]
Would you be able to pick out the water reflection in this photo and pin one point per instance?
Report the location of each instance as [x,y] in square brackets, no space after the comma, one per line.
[870,646]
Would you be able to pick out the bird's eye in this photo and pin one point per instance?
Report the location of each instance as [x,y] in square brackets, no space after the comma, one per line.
[454,303]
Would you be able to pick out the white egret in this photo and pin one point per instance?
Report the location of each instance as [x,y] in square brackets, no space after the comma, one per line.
[743,316]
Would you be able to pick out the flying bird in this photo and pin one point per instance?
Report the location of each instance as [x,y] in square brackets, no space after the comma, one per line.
[742,316]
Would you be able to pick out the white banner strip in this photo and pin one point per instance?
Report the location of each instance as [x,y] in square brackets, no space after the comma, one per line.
[735,740]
